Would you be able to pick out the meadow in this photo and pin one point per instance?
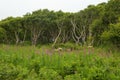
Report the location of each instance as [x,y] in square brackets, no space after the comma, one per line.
[44,63]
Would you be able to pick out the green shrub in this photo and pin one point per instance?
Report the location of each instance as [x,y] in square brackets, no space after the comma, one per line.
[11,72]
[73,77]
[22,63]
[49,74]
[32,75]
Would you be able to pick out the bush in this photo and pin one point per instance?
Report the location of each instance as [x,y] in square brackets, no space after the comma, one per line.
[49,74]
[21,63]
[73,77]
[11,72]
[112,35]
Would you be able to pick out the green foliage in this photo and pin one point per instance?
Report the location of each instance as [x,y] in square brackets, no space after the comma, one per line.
[113,34]
[46,27]
[2,33]
[49,74]
[9,71]
[26,63]
[97,28]
[106,35]
[73,77]
[98,24]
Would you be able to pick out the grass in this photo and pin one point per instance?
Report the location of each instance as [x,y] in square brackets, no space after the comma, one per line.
[32,63]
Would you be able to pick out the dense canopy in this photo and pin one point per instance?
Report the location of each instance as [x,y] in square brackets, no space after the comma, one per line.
[95,25]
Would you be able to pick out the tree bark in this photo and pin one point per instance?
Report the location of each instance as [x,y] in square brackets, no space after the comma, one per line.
[57,37]
[17,37]
[76,37]
[35,33]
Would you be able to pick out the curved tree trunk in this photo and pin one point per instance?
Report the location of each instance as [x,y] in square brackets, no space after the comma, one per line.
[57,37]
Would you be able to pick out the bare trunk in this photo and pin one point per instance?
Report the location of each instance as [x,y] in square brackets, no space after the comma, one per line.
[84,36]
[35,33]
[57,37]
[65,36]
[34,41]
[24,36]
[90,38]
[76,37]
[90,35]
[17,37]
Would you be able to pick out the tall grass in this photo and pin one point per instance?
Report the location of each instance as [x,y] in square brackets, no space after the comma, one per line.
[31,63]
